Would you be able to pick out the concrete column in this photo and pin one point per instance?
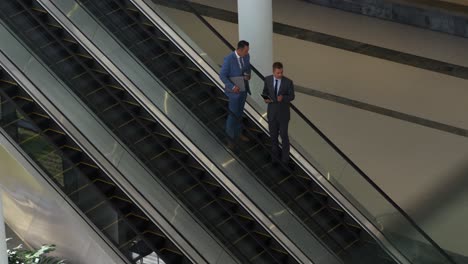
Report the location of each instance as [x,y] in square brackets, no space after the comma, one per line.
[256,27]
[3,246]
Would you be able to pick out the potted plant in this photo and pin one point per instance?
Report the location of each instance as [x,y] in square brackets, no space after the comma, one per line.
[18,255]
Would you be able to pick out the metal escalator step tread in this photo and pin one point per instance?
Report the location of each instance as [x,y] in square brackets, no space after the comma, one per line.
[214,183]
[112,11]
[188,87]
[119,126]
[120,199]
[20,97]
[206,100]
[207,205]
[193,68]
[179,150]
[88,164]
[164,39]
[79,75]
[334,228]
[147,23]
[18,13]
[224,221]
[110,107]
[351,244]
[67,147]
[285,179]
[315,213]
[148,136]
[245,217]
[9,81]
[228,199]
[143,41]
[113,86]
[240,238]
[222,98]
[150,121]
[265,235]
[279,250]
[171,250]
[153,232]
[177,53]
[256,258]
[209,84]
[47,44]
[40,10]
[159,155]
[118,220]
[196,166]
[64,59]
[338,209]
[132,9]
[157,57]
[81,188]
[95,206]
[98,71]
[39,115]
[174,71]
[125,243]
[137,217]
[54,25]
[107,182]
[83,55]
[191,188]
[69,40]
[354,225]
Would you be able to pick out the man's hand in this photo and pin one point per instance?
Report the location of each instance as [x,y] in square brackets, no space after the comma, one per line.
[267,101]
[236,89]
[280,98]
[247,77]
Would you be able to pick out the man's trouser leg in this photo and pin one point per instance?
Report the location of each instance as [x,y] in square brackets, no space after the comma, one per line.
[283,130]
[232,123]
[274,129]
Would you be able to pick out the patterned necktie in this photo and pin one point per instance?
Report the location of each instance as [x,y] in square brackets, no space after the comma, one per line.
[241,60]
[276,87]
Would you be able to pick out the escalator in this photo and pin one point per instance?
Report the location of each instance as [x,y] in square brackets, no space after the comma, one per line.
[175,69]
[159,46]
[246,238]
[202,96]
[90,189]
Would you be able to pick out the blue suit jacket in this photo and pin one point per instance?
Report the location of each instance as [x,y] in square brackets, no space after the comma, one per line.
[231,68]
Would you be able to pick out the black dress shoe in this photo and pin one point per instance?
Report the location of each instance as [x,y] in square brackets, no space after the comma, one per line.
[231,146]
[290,164]
[244,138]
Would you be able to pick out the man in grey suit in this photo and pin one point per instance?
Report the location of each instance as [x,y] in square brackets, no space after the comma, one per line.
[280,91]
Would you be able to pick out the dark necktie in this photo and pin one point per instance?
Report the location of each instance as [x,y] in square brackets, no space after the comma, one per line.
[241,63]
[276,87]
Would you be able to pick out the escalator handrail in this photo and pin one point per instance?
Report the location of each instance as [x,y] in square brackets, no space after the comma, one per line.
[329,142]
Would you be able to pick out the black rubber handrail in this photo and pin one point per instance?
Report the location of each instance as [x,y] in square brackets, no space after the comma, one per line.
[326,139]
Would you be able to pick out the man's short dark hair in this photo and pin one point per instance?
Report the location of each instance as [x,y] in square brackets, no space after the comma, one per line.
[242,44]
[277,65]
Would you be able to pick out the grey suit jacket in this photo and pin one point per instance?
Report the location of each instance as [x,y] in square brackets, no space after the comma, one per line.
[279,110]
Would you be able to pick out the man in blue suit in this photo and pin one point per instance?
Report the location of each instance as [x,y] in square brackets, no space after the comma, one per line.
[236,64]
